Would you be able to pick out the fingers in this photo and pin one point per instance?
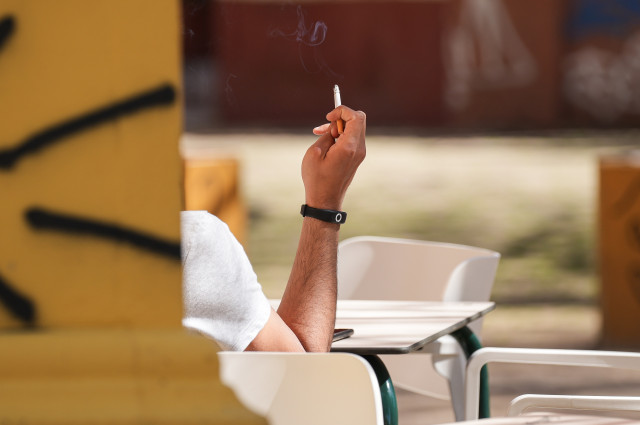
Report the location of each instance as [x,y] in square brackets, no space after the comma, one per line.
[326,128]
[321,129]
[337,119]
[357,119]
[343,112]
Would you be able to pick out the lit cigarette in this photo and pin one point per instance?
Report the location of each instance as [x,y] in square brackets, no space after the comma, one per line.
[337,102]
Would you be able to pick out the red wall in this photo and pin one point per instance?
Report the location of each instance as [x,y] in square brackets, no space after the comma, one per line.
[384,56]
[274,66]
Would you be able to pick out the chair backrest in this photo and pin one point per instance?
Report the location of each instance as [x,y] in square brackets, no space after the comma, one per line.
[372,267]
[308,388]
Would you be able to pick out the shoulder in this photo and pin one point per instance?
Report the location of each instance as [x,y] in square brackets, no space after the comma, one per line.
[201,222]
[204,232]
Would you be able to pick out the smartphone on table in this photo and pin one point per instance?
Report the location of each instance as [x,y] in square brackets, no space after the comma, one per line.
[339,334]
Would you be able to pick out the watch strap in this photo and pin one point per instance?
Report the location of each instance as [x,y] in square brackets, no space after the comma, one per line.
[330,216]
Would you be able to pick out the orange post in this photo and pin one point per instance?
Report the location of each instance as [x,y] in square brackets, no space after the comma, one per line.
[619,232]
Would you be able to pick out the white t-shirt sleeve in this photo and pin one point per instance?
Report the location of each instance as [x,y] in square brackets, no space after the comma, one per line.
[222,296]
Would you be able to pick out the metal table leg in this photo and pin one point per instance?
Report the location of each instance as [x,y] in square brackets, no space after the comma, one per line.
[387,391]
[470,343]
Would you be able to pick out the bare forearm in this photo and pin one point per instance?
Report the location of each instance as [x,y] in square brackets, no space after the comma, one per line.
[308,305]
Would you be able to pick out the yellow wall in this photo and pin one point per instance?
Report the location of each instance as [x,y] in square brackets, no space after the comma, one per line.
[90,316]
[65,59]
[113,376]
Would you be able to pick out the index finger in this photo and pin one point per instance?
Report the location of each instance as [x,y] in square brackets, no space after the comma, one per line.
[354,120]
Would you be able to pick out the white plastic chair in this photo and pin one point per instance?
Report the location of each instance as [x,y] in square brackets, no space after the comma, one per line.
[400,269]
[304,388]
[341,388]
[591,358]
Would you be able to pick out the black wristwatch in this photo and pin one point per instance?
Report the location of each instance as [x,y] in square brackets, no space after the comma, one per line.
[330,216]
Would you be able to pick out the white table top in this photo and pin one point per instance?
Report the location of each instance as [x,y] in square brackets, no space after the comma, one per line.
[398,327]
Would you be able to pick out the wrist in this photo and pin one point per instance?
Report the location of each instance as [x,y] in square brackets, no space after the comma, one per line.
[324,204]
[324,199]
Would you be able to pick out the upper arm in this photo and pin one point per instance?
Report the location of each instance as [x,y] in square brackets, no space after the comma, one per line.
[275,336]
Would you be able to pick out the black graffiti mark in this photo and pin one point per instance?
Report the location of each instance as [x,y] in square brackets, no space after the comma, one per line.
[630,196]
[19,306]
[7,26]
[159,96]
[40,218]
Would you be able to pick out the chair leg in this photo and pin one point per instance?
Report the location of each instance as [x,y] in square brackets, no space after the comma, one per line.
[452,368]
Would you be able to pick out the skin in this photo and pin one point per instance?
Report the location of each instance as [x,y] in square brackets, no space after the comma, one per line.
[306,316]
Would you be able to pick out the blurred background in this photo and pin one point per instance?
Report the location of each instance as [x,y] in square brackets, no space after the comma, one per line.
[449,64]
[502,124]
[490,123]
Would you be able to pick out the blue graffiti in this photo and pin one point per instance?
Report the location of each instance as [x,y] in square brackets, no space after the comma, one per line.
[614,18]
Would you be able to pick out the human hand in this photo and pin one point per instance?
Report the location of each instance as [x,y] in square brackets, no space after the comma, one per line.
[330,164]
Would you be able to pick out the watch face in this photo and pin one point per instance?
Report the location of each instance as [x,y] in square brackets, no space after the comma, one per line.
[90,176]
